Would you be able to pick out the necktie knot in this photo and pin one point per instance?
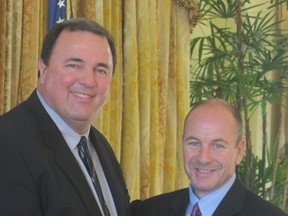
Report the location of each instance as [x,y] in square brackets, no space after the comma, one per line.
[84,154]
[83,143]
[196,210]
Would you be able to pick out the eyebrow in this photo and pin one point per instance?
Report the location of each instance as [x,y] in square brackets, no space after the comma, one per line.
[81,61]
[222,141]
[190,138]
[74,60]
[215,140]
[103,65]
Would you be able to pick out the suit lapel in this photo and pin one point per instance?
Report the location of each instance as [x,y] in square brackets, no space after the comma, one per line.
[112,171]
[232,203]
[74,174]
[179,203]
[63,157]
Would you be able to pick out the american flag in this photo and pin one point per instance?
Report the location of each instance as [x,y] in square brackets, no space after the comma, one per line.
[57,12]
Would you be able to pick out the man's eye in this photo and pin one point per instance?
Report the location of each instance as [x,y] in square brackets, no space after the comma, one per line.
[102,71]
[218,145]
[194,144]
[74,66]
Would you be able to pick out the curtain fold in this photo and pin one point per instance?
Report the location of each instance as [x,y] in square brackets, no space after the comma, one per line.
[149,98]
[182,34]
[130,137]
[3,42]
[20,32]
[156,98]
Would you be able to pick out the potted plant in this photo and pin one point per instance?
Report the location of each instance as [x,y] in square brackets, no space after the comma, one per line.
[242,58]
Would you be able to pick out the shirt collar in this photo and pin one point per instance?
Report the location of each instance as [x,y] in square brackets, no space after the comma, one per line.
[71,137]
[210,202]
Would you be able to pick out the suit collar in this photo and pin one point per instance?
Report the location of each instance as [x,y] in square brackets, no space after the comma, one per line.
[180,203]
[111,168]
[63,157]
[232,203]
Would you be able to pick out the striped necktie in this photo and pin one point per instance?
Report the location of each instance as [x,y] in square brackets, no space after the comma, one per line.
[87,161]
[196,210]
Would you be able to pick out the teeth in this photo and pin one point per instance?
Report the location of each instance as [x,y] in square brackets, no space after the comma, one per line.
[204,171]
[81,95]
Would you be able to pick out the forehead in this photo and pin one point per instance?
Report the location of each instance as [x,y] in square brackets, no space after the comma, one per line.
[69,39]
[211,118]
[84,43]
[85,37]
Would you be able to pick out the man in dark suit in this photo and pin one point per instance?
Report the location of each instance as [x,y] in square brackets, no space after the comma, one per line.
[212,148]
[42,169]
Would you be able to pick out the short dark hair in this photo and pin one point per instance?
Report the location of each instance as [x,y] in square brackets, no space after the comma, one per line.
[75,24]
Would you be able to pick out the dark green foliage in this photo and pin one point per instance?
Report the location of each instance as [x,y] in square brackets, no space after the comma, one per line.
[237,60]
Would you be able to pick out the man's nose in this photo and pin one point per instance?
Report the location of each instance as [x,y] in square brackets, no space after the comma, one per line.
[205,154]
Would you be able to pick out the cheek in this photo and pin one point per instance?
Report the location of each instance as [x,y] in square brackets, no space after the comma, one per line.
[228,160]
[187,156]
[186,161]
[63,80]
[67,80]
[103,85]
[232,157]
[49,77]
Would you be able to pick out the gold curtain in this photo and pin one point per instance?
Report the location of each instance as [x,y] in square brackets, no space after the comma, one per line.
[149,98]
[156,99]
[20,36]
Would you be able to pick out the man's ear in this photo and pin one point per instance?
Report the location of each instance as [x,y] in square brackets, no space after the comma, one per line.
[241,148]
[42,68]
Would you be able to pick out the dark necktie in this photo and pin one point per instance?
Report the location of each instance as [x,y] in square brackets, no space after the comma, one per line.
[196,210]
[87,161]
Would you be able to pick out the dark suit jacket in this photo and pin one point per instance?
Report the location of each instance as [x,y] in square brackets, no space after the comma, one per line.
[38,173]
[238,202]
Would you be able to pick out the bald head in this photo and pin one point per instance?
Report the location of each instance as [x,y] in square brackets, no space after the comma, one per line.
[219,104]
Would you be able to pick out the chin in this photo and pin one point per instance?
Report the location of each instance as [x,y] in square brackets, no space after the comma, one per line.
[82,118]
